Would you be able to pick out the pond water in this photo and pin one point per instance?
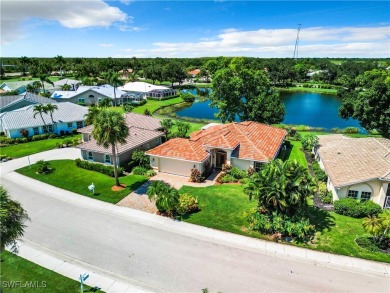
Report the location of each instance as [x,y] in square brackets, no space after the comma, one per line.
[316,110]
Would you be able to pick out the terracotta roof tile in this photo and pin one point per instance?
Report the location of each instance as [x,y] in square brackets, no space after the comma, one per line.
[251,140]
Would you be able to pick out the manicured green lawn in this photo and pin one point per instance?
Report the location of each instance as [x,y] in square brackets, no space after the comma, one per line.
[27,78]
[306,89]
[69,177]
[293,152]
[152,105]
[225,207]
[33,147]
[17,269]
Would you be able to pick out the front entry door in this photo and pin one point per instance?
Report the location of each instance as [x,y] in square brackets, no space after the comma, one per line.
[220,159]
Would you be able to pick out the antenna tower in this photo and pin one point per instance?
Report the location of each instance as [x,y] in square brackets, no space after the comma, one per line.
[297,43]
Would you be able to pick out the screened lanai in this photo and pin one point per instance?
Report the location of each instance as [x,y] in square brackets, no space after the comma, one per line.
[162,93]
[132,98]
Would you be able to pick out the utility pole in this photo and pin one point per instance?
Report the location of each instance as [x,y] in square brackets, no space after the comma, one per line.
[297,43]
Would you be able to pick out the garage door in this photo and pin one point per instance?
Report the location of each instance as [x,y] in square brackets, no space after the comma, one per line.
[176,167]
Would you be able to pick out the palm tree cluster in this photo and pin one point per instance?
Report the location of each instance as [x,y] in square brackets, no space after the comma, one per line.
[282,187]
[45,109]
[378,226]
[166,197]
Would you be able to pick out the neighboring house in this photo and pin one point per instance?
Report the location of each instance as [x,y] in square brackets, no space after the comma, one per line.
[74,84]
[194,73]
[356,167]
[89,95]
[148,90]
[243,145]
[11,103]
[144,133]
[68,116]
[20,86]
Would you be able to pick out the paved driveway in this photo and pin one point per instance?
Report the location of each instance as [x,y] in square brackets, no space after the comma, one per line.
[139,200]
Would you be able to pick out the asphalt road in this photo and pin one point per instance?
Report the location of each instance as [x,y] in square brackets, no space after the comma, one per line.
[170,261]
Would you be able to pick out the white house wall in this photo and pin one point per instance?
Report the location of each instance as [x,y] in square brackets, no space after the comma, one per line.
[15,133]
[241,164]
[377,188]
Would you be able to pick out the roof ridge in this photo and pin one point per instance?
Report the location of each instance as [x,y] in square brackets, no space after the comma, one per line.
[246,137]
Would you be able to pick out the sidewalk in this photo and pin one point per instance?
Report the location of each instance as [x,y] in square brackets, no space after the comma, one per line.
[72,268]
[340,262]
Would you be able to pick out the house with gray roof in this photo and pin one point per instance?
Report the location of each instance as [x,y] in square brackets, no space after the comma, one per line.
[74,84]
[89,95]
[144,133]
[356,167]
[11,103]
[21,86]
[67,117]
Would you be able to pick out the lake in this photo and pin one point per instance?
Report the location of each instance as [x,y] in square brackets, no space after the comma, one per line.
[312,109]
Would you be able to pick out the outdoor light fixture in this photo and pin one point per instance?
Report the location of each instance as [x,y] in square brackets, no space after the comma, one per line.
[194,166]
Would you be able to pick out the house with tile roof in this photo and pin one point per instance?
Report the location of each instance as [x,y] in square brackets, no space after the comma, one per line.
[356,167]
[144,133]
[67,117]
[11,103]
[89,95]
[243,145]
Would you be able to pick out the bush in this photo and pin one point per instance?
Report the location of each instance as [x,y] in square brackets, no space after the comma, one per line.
[250,171]
[296,226]
[104,169]
[318,172]
[139,170]
[188,97]
[138,158]
[2,133]
[127,107]
[356,209]
[226,168]
[309,141]
[367,243]
[237,173]
[24,133]
[62,132]
[323,193]
[220,177]
[150,173]
[147,112]
[244,180]
[228,178]
[53,135]
[187,204]
[42,167]
[74,131]
[195,176]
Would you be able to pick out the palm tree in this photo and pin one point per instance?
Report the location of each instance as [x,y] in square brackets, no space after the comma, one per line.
[109,130]
[60,62]
[373,225]
[44,78]
[166,197]
[50,108]
[113,79]
[91,115]
[24,62]
[12,218]
[281,186]
[66,87]
[39,109]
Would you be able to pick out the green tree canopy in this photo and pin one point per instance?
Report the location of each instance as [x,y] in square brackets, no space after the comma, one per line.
[12,219]
[239,91]
[369,104]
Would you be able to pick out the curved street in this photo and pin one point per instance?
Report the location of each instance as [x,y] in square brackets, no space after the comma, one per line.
[87,230]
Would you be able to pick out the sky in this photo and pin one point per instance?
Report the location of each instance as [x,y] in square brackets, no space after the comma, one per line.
[127,28]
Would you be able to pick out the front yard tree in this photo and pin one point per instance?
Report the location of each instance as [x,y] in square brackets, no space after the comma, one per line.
[40,109]
[109,130]
[12,219]
[91,115]
[281,187]
[167,125]
[50,108]
[239,91]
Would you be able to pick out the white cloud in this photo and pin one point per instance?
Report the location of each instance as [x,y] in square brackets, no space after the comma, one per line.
[126,2]
[106,45]
[315,41]
[70,14]
[130,28]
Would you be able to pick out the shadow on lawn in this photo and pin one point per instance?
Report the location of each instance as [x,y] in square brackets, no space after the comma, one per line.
[323,220]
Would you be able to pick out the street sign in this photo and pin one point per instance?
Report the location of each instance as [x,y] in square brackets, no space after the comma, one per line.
[83,277]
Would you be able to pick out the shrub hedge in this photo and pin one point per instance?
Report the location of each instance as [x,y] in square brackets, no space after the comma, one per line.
[106,170]
[356,209]
[318,172]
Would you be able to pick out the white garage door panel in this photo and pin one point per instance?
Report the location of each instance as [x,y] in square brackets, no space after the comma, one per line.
[176,167]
